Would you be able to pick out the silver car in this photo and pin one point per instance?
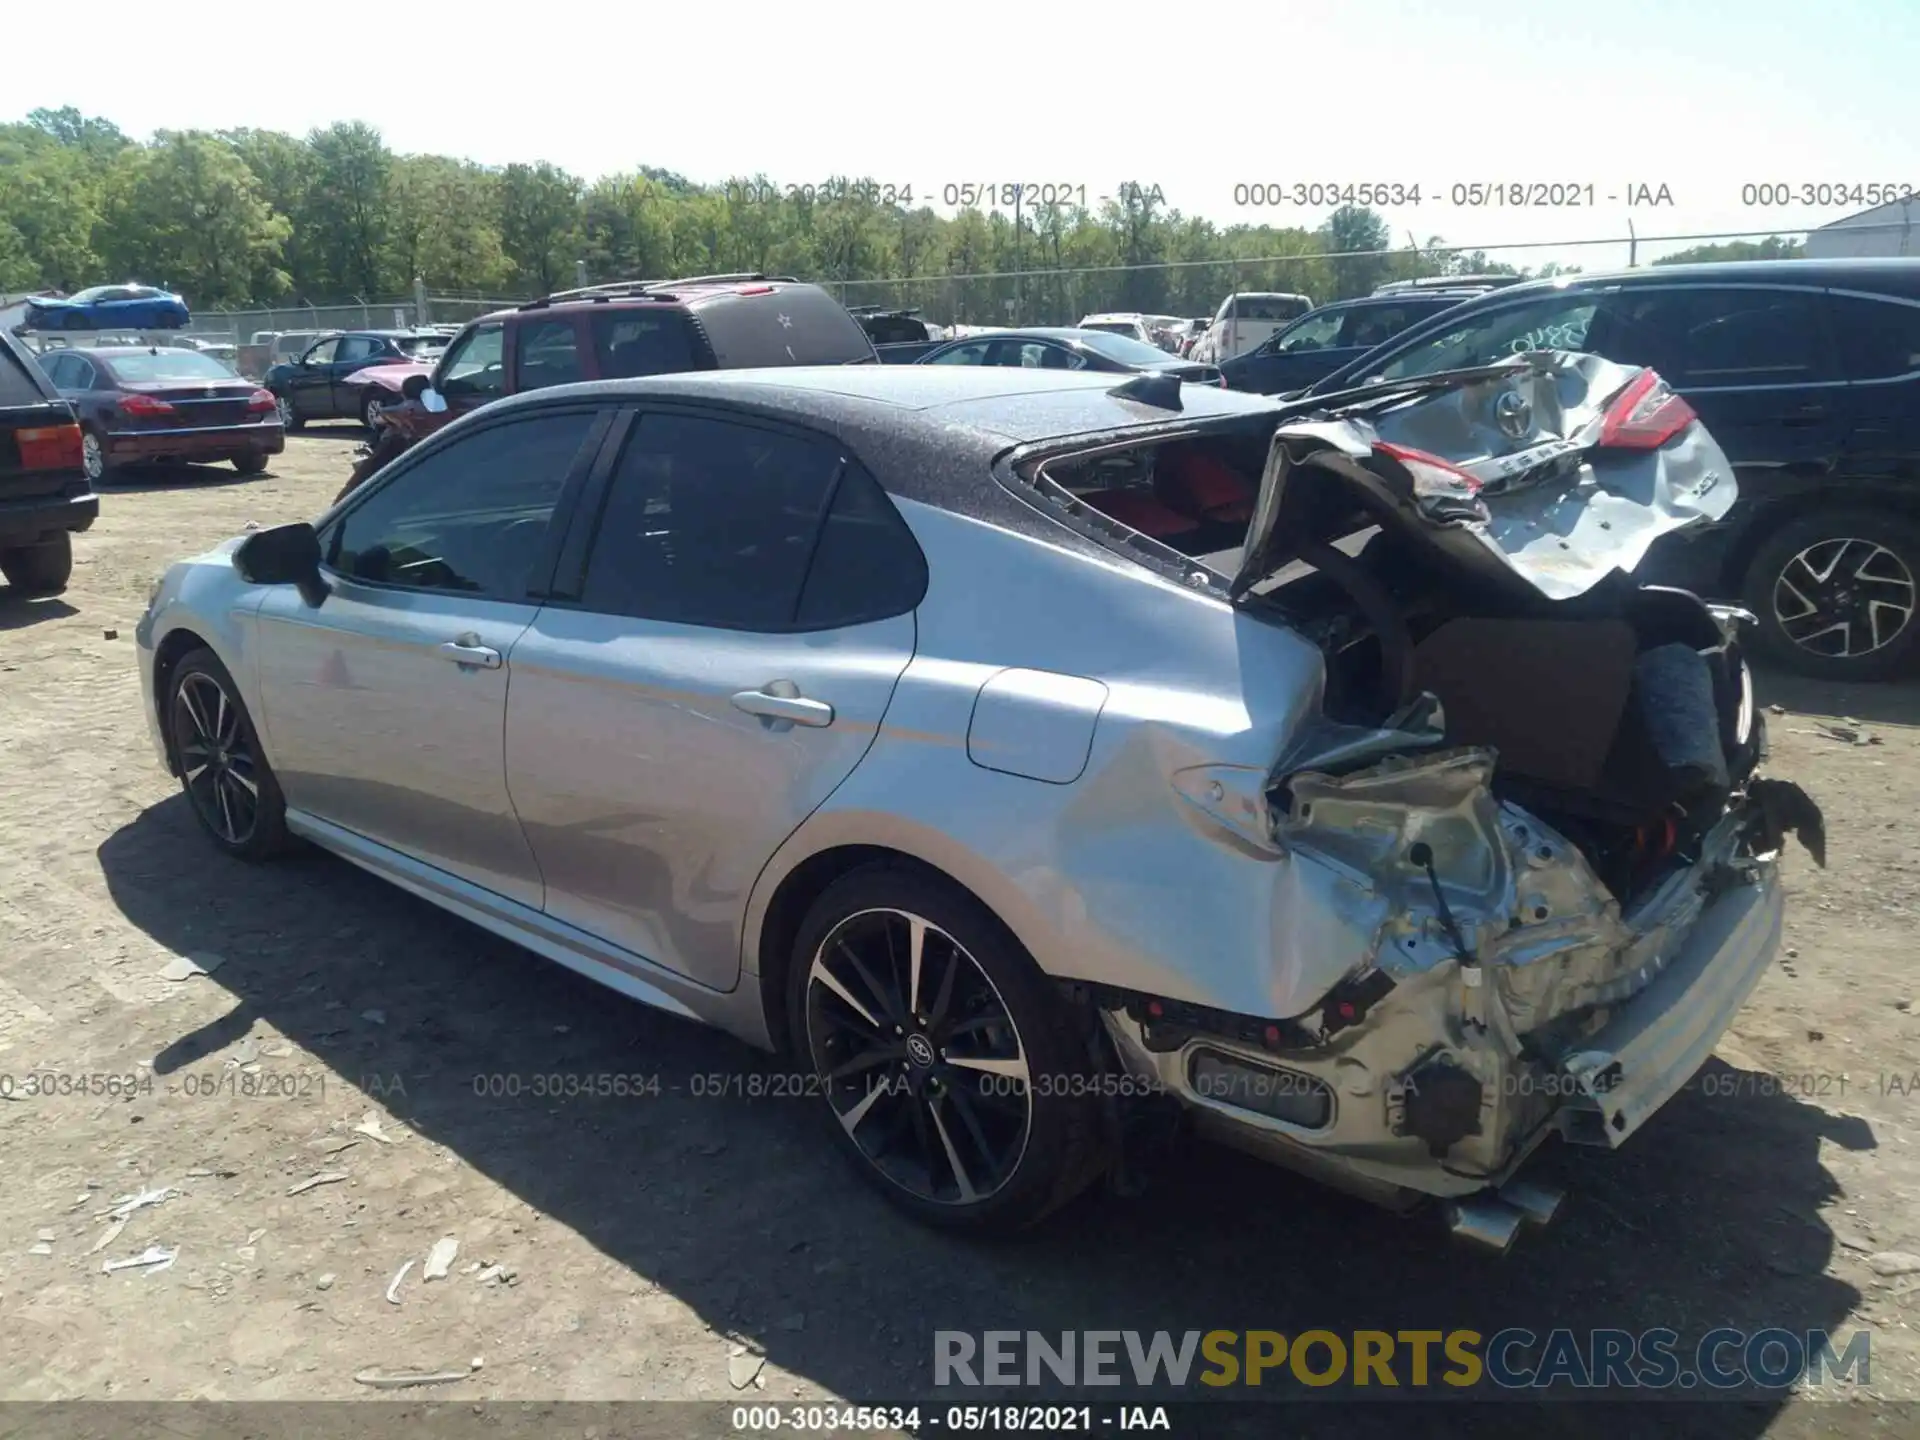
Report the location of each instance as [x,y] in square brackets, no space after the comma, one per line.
[1031,757]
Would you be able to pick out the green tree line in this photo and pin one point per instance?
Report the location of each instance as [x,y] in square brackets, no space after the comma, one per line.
[240,218]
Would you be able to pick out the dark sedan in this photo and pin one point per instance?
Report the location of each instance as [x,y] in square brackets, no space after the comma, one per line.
[1066,349]
[1320,342]
[314,387]
[142,404]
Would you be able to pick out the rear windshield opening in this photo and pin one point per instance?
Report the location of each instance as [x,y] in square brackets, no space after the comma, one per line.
[1192,494]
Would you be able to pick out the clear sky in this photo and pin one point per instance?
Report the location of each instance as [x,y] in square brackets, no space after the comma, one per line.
[1699,97]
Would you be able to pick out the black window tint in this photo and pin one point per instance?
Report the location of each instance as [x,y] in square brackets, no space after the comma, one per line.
[794,325]
[18,386]
[1754,337]
[472,516]
[548,354]
[634,342]
[867,565]
[1648,327]
[1878,338]
[708,522]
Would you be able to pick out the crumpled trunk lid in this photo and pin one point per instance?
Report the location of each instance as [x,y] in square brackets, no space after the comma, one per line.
[1549,510]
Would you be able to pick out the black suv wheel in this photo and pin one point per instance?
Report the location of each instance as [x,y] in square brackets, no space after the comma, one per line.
[1835,594]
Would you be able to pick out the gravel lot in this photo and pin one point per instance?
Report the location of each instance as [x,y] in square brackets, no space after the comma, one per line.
[676,1245]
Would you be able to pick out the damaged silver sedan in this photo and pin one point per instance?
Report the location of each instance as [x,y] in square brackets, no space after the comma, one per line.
[1035,761]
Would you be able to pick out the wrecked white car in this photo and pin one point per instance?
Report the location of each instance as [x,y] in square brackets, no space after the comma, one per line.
[1030,758]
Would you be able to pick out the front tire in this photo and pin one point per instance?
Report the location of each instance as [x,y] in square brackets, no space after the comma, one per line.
[1835,594]
[41,569]
[250,464]
[228,783]
[955,1077]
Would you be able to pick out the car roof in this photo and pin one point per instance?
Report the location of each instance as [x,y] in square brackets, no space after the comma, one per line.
[932,430]
[1894,276]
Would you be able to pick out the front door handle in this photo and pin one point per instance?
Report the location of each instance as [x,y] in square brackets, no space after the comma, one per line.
[1807,415]
[467,650]
[781,700]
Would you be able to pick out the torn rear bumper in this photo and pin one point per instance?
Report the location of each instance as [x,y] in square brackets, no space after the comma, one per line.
[1648,1051]
[1448,1029]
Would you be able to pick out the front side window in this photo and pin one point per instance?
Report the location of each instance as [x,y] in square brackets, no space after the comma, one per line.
[1310,332]
[710,522]
[471,516]
[323,353]
[961,355]
[1556,322]
[474,365]
[548,354]
[1878,338]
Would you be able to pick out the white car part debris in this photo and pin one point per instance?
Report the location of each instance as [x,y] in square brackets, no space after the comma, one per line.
[325,1177]
[153,1260]
[401,1379]
[440,1258]
[393,1285]
[40,1247]
[495,1274]
[124,1207]
[369,1126]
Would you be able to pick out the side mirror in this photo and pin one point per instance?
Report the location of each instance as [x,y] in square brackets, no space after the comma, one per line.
[284,555]
[435,402]
[414,386]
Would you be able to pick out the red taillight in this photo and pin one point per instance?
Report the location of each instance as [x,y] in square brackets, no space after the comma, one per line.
[144,405]
[49,447]
[1645,415]
[262,400]
[1433,477]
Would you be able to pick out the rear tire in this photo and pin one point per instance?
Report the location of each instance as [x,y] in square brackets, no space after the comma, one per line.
[250,464]
[1835,594]
[40,569]
[958,1103]
[290,420]
[93,457]
[229,785]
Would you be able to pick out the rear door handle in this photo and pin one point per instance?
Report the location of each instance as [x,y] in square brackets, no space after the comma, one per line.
[467,650]
[1807,415]
[781,700]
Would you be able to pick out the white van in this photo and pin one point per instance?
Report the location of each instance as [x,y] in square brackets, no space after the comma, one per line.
[1245,320]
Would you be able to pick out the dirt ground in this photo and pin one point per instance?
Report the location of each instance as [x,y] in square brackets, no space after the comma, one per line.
[680,1246]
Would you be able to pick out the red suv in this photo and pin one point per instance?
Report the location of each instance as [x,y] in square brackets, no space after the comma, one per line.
[610,332]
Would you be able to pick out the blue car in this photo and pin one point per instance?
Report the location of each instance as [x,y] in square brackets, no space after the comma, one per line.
[111,307]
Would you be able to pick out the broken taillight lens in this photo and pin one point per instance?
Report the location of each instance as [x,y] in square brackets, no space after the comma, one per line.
[1433,477]
[1645,415]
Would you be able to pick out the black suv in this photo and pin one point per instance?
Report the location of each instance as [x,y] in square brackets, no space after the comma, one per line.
[44,494]
[1808,374]
[1323,340]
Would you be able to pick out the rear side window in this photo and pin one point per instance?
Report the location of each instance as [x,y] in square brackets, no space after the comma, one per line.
[634,342]
[17,385]
[867,565]
[1877,338]
[711,522]
[548,354]
[797,325]
[1755,337]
